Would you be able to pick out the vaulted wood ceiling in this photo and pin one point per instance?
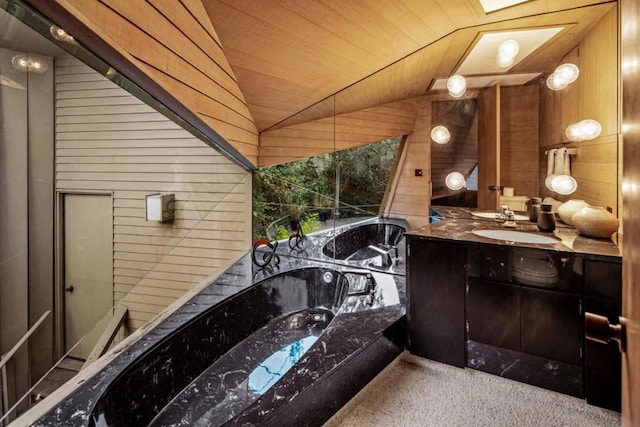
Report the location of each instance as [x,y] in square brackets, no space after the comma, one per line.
[290,56]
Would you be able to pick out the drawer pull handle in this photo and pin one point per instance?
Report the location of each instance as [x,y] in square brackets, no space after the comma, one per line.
[597,328]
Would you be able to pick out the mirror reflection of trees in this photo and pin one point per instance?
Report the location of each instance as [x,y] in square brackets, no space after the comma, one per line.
[321,191]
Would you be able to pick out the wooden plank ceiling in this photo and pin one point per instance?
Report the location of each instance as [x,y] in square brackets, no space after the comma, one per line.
[290,57]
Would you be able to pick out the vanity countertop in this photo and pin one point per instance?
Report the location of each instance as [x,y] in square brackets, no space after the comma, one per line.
[458,224]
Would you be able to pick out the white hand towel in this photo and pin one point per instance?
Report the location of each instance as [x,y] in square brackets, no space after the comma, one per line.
[551,161]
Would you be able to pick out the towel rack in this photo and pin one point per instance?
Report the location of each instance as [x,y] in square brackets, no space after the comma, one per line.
[570,151]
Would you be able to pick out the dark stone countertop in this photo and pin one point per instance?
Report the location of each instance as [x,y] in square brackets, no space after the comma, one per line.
[358,327]
[458,225]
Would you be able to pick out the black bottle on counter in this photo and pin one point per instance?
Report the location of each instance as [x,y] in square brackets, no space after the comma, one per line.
[534,208]
[546,218]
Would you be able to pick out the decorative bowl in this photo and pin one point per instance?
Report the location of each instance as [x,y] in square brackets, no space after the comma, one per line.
[569,208]
[595,221]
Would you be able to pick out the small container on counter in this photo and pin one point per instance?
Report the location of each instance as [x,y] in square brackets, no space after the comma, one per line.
[534,209]
[546,218]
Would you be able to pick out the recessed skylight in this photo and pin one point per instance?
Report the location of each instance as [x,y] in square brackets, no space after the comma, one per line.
[493,5]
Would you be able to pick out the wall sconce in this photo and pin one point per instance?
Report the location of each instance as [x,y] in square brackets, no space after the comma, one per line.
[507,52]
[26,63]
[457,86]
[455,181]
[564,184]
[159,207]
[440,135]
[584,130]
[563,76]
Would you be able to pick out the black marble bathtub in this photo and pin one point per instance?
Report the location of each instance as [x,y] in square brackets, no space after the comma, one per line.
[195,367]
[279,311]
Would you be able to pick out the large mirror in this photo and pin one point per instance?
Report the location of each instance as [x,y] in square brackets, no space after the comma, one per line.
[531,120]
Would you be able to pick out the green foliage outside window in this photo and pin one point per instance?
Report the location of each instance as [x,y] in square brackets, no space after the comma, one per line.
[306,187]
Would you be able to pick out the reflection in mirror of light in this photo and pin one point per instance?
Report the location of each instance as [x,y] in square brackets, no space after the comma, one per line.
[507,52]
[457,86]
[29,63]
[567,72]
[564,184]
[554,83]
[504,61]
[61,35]
[455,181]
[584,130]
[562,76]
[440,134]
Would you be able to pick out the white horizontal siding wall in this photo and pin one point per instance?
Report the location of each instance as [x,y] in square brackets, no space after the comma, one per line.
[108,140]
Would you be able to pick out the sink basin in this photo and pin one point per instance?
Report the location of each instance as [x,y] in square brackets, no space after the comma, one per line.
[492,215]
[516,236]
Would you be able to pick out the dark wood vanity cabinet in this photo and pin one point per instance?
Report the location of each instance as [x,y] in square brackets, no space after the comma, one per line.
[476,305]
[603,362]
[523,309]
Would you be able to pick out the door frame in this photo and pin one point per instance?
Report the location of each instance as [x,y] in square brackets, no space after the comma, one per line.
[58,281]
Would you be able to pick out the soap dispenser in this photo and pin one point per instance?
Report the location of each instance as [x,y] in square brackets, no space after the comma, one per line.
[546,218]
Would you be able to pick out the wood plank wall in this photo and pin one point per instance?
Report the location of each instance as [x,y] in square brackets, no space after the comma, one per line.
[489,147]
[412,194]
[109,141]
[174,43]
[336,133]
[594,95]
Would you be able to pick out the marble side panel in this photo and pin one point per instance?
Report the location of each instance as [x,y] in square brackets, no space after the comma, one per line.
[538,371]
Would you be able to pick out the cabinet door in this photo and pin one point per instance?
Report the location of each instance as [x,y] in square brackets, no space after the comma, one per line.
[435,312]
[493,313]
[551,325]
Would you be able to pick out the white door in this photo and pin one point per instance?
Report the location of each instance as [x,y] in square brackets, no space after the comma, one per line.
[88,266]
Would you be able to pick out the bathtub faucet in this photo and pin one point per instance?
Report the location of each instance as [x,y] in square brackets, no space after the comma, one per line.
[369,286]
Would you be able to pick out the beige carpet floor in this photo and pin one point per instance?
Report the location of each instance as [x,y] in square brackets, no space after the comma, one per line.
[413,391]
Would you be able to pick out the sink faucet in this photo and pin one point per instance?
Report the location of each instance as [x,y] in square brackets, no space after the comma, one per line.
[509,219]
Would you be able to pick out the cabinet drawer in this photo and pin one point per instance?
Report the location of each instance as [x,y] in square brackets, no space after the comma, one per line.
[538,268]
